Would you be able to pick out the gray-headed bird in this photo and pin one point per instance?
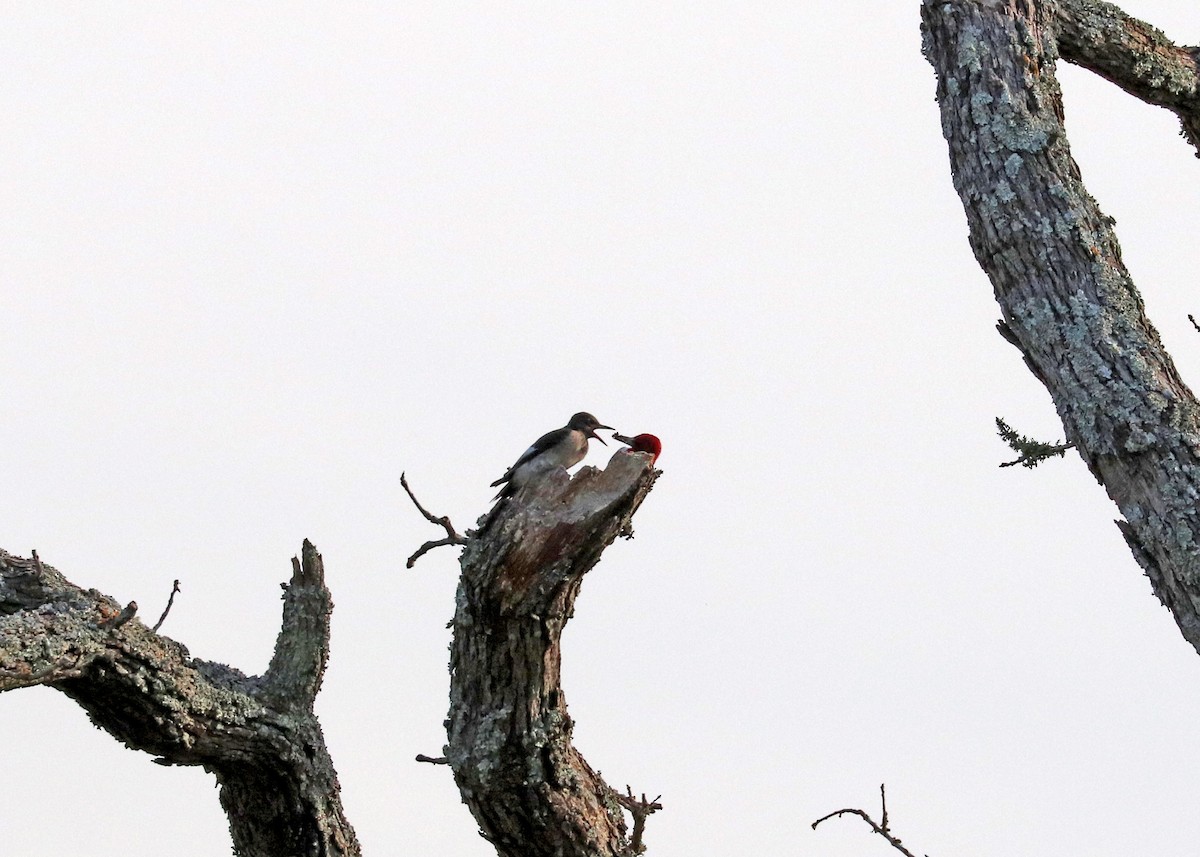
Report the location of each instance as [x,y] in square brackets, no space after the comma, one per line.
[563,447]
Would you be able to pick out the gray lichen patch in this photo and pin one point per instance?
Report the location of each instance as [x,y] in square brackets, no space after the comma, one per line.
[972,47]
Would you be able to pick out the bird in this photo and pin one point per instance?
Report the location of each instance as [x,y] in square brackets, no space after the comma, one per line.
[647,443]
[564,447]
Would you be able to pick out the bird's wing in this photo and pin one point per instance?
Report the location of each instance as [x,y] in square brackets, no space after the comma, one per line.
[539,446]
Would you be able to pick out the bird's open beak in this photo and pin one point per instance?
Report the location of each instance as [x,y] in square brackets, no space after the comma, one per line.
[592,433]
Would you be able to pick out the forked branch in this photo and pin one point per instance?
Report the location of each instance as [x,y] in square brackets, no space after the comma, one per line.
[1067,299]
[258,736]
[881,827]
[452,536]
[1135,56]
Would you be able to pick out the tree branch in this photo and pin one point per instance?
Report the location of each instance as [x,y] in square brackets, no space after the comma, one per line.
[1030,452]
[1057,272]
[257,736]
[452,536]
[509,733]
[881,828]
[167,609]
[302,648]
[640,809]
[1135,56]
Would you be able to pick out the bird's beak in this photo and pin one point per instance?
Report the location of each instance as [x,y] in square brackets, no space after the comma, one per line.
[628,441]
[592,433]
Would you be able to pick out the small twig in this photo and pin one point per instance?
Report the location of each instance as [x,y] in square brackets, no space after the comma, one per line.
[639,809]
[881,829]
[440,760]
[443,521]
[1033,452]
[170,601]
[1193,321]
[121,618]
[452,536]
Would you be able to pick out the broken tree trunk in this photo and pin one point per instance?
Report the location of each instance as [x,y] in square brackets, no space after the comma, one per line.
[529,789]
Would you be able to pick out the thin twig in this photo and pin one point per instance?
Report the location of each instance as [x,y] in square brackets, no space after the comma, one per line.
[170,601]
[639,809]
[881,829]
[452,536]
[440,760]
[1193,321]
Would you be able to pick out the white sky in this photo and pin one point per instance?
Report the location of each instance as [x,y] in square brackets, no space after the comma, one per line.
[257,260]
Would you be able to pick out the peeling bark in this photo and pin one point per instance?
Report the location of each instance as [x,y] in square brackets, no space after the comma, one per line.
[1067,300]
[509,733]
[257,735]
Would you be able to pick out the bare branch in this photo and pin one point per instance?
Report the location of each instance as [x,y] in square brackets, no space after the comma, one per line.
[881,829]
[432,760]
[640,809]
[452,536]
[167,609]
[428,546]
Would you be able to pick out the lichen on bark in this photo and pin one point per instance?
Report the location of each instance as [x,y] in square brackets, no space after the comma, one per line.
[257,735]
[1067,300]
[509,733]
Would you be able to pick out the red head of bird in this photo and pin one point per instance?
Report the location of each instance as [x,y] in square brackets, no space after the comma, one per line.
[642,443]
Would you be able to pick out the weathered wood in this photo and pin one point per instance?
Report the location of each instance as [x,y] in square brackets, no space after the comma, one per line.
[258,736]
[1134,55]
[509,746]
[1067,299]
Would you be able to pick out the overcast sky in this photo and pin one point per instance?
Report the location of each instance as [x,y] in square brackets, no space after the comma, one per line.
[256,260]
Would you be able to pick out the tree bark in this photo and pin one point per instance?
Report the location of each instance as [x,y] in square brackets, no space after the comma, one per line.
[1068,303]
[1133,55]
[509,733]
[257,735]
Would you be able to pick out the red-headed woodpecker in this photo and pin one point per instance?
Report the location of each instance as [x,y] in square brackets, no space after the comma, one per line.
[564,447]
[642,443]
